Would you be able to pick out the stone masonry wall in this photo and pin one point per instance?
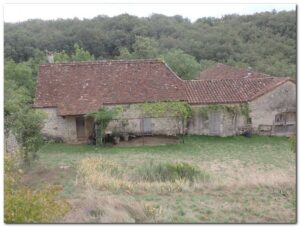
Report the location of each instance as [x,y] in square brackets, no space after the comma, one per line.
[279,100]
[133,122]
[232,124]
[58,126]
[11,144]
[215,123]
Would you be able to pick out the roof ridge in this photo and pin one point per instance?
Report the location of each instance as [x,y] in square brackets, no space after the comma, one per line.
[214,69]
[96,62]
[248,78]
[172,71]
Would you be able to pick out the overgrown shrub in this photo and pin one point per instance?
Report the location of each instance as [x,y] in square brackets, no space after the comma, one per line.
[102,119]
[27,126]
[170,172]
[24,205]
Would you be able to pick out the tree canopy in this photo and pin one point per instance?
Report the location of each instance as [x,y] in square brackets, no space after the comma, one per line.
[265,41]
[79,54]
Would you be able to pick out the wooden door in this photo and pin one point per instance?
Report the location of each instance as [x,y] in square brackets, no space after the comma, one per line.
[147,125]
[80,127]
[215,120]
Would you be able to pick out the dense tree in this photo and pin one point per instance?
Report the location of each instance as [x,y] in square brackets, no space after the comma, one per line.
[15,98]
[264,41]
[21,74]
[125,54]
[19,117]
[183,64]
[145,47]
[79,54]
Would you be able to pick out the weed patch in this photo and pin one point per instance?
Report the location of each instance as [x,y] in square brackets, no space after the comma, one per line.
[106,175]
[163,172]
[24,205]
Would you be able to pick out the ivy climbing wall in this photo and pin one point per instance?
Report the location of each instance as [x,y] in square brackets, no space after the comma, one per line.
[216,120]
[134,119]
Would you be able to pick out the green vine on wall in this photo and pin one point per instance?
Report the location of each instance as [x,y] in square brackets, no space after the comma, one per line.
[158,109]
[242,109]
[102,119]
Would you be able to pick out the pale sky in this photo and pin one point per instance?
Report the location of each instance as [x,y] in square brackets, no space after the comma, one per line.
[22,12]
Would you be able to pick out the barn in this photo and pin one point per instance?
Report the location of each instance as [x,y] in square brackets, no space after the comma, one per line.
[223,103]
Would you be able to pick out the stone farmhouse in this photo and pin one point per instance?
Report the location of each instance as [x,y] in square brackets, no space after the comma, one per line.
[69,91]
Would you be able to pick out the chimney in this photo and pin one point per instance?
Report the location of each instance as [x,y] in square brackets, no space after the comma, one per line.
[50,56]
[249,72]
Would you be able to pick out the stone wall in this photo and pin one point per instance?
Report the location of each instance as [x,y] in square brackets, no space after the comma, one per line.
[221,123]
[58,126]
[264,109]
[232,124]
[11,143]
[215,123]
[133,121]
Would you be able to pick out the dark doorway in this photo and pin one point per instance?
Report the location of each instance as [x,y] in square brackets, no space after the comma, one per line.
[80,128]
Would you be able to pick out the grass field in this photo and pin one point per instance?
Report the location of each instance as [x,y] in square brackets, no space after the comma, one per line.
[250,180]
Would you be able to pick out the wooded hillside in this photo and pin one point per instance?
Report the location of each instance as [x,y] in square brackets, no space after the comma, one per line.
[264,41]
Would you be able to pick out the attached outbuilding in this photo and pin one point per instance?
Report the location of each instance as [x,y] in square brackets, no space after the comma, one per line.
[265,105]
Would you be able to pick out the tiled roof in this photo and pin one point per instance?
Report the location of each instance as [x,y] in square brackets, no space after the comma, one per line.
[82,87]
[229,90]
[221,71]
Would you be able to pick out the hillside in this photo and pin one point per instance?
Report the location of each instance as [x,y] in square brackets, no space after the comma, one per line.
[264,41]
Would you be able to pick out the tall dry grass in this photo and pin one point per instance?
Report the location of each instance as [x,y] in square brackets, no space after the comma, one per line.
[95,208]
[104,174]
[100,173]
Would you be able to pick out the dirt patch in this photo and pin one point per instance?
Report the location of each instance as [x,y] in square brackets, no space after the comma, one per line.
[41,175]
[96,208]
[235,173]
[149,141]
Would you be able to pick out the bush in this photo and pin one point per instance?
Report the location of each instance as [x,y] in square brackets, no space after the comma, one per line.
[170,172]
[24,205]
[27,206]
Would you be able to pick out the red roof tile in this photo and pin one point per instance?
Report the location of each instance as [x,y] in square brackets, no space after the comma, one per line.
[221,71]
[82,87]
[229,90]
